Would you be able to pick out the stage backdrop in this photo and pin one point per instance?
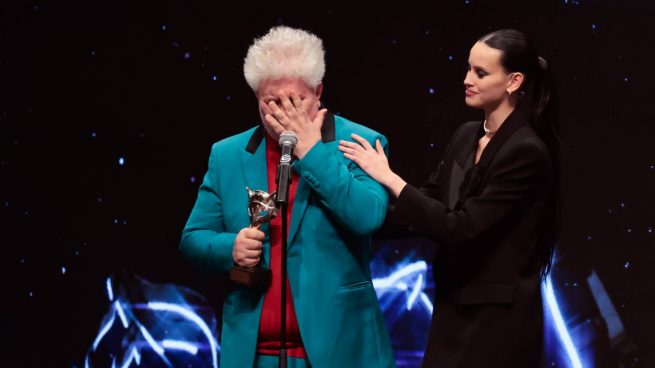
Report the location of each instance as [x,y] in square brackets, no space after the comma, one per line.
[108,110]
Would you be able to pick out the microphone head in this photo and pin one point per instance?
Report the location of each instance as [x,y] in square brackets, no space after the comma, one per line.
[288,138]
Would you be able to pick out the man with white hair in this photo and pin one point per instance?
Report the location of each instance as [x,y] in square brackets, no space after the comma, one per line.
[333,316]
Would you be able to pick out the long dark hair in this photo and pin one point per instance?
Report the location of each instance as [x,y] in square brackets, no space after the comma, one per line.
[537,99]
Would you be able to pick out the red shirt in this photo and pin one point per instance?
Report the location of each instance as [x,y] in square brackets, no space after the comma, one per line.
[268,342]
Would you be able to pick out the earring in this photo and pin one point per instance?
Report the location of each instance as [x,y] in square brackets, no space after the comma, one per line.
[509,93]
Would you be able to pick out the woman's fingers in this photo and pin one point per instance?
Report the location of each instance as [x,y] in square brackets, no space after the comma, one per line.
[379,148]
[351,145]
[362,141]
[348,150]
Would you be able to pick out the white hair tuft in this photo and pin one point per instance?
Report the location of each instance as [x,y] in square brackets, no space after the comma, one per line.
[285,52]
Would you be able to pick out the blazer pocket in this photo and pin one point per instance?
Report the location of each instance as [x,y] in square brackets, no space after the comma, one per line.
[355,286]
[485,294]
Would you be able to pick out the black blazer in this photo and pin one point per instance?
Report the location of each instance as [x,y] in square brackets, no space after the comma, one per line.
[488,219]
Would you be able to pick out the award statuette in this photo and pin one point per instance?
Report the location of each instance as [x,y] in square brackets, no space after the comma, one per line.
[261,208]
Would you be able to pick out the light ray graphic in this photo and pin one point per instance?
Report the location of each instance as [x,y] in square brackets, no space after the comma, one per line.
[404,288]
[426,301]
[134,356]
[110,290]
[397,286]
[608,311]
[151,341]
[385,283]
[418,288]
[103,331]
[562,332]
[162,306]
[177,329]
[121,313]
[180,345]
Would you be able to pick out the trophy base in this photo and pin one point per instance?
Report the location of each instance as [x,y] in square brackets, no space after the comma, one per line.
[254,277]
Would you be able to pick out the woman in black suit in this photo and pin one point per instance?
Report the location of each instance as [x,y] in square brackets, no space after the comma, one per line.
[492,208]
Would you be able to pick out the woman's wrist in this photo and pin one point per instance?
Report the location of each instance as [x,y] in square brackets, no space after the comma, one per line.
[395,184]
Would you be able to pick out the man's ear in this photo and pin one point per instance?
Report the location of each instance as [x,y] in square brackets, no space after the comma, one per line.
[319,90]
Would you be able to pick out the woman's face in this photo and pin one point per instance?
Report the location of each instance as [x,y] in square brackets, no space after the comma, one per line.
[486,81]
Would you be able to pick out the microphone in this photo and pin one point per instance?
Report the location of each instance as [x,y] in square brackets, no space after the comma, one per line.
[288,141]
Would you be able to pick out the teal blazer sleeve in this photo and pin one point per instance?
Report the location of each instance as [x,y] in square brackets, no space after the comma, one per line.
[355,199]
[204,239]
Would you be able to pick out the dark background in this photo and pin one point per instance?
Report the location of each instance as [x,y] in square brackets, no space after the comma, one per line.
[86,85]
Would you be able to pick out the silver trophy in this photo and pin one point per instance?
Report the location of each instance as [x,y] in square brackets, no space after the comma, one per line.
[261,208]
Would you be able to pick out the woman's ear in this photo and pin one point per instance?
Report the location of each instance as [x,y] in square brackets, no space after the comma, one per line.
[514,82]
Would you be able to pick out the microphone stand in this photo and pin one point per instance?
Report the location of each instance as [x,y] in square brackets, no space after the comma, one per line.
[283,184]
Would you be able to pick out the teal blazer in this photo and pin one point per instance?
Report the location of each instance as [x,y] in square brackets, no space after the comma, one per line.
[336,210]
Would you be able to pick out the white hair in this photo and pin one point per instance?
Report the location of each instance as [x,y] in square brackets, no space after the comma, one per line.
[285,52]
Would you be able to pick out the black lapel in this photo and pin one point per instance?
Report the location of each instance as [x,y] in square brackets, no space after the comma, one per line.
[256,139]
[328,130]
[463,145]
[514,121]
[474,176]
[468,143]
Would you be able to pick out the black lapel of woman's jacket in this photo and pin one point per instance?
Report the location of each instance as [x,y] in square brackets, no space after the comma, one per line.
[474,176]
[464,143]
[514,121]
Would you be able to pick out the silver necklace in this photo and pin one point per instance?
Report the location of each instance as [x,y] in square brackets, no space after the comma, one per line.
[487,130]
